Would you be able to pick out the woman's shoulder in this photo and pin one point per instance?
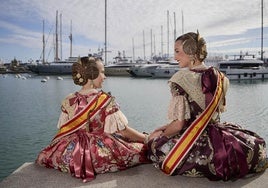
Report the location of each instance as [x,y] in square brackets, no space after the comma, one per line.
[69,96]
[183,74]
[66,101]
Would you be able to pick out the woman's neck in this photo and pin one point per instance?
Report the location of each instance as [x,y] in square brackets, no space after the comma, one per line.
[198,65]
[87,91]
[87,88]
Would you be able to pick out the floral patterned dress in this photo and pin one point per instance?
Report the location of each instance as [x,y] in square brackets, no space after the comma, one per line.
[95,148]
[224,151]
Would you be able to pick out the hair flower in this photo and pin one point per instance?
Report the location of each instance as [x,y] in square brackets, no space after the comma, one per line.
[78,75]
[81,80]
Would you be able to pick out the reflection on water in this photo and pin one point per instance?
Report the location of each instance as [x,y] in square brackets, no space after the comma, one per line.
[30,110]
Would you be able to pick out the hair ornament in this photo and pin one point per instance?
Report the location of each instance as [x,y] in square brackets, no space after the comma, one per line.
[81,80]
[78,75]
[198,36]
[91,58]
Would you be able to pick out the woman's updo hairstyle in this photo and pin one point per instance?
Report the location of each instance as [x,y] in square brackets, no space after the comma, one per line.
[194,45]
[85,69]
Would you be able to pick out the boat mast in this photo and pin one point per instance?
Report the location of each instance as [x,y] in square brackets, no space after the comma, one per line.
[151,44]
[60,36]
[105,43]
[262,30]
[143,45]
[154,45]
[56,35]
[71,39]
[167,34]
[133,50]
[162,41]
[43,60]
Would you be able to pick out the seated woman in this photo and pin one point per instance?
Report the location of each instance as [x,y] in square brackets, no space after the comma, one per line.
[93,136]
[195,143]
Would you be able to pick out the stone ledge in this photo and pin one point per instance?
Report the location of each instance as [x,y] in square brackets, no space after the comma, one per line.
[31,175]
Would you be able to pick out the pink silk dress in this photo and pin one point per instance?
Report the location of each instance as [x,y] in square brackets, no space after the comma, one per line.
[96,148]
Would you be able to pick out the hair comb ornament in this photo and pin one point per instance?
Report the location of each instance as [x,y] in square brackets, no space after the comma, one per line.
[91,58]
[198,36]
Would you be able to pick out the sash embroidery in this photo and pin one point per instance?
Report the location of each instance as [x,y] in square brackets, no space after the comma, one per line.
[187,140]
[81,118]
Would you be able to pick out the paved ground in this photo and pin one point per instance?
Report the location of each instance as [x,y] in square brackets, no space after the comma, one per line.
[30,175]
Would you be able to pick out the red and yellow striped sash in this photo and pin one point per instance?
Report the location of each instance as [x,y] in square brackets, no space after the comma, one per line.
[81,118]
[187,140]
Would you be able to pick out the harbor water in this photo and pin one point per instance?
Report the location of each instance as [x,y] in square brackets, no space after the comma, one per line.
[29,110]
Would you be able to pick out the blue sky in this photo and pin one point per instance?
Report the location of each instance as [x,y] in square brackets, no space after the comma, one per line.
[228,26]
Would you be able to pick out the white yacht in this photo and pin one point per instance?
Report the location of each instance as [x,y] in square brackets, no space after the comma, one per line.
[244,67]
[146,70]
[120,67]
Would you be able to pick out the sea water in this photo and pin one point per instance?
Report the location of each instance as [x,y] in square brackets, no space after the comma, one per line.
[29,110]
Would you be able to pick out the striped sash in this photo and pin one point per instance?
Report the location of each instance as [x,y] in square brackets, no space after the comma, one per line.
[81,118]
[187,140]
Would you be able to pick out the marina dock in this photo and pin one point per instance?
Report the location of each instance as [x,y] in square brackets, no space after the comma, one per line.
[31,175]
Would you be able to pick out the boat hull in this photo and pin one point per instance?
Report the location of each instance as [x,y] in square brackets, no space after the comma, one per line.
[244,69]
[142,70]
[246,74]
[116,71]
[52,69]
[165,72]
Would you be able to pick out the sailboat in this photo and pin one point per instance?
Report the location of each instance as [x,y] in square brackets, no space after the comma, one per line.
[57,67]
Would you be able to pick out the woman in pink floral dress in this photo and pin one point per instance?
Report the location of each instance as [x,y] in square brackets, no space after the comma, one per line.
[94,136]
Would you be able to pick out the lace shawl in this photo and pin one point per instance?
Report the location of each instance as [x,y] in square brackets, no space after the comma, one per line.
[190,81]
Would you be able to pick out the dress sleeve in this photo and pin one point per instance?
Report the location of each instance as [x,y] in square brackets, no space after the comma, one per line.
[179,108]
[65,112]
[115,120]
[62,119]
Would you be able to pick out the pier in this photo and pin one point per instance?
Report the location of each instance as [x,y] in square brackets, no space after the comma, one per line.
[31,175]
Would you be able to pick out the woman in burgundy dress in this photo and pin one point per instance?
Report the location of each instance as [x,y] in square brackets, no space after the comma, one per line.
[195,143]
[93,136]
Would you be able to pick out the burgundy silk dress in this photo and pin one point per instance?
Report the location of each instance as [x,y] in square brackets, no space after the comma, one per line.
[95,148]
[223,151]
